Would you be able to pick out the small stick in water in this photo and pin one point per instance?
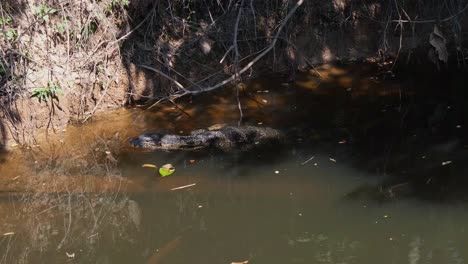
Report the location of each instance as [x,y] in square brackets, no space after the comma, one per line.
[242,262]
[303,163]
[183,187]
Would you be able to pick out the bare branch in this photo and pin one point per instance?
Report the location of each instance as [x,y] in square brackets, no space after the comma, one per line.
[165,75]
[225,54]
[256,59]
[234,41]
[265,51]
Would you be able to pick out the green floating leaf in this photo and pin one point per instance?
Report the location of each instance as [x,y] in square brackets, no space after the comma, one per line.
[166,170]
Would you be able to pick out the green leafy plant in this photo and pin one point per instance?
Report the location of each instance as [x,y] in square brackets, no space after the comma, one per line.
[52,91]
[5,20]
[43,12]
[122,3]
[116,3]
[10,34]
[62,26]
[89,29]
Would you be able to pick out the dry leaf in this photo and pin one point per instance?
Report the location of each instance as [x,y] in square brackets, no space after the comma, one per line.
[242,262]
[437,40]
[134,213]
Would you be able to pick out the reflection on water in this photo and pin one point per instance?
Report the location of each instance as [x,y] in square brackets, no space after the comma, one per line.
[236,212]
[86,198]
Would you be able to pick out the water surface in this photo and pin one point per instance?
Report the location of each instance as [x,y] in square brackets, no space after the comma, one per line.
[83,197]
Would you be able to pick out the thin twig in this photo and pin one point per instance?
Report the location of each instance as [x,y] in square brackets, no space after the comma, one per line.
[239,106]
[244,69]
[134,29]
[100,99]
[225,54]
[305,162]
[165,75]
[256,59]
[254,17]
[69,220]
[236,60]
[419,21]
[234,41]
[183,187]
[401,35]
[180,109]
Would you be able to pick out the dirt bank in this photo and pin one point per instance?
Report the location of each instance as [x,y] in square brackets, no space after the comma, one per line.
[64,62]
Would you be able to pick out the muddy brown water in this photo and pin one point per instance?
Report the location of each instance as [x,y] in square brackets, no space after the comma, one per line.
[287,205]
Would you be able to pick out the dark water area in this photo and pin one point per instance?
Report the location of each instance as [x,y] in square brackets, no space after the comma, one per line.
[373,171]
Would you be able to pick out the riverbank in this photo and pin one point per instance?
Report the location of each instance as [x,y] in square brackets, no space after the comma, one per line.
[63,63]
[353,111]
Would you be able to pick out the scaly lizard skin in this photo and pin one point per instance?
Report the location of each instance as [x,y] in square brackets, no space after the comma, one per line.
[223,137]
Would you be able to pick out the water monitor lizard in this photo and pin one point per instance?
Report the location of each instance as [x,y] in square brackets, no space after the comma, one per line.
[222,137]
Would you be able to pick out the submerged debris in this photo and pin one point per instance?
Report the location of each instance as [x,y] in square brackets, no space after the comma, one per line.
[134,213]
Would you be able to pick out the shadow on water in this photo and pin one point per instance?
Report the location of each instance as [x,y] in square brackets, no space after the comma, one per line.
[359,115]
[352,132]
[349,133]
[422,147]
[356,113]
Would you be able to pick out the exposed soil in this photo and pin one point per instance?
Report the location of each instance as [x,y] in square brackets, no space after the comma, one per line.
[94,52]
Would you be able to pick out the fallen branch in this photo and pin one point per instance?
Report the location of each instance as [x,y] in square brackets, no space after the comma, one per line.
[237,73]
[432,20]
[234,41]
[236,60]
[124,37]
[399,21]
[256,59]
